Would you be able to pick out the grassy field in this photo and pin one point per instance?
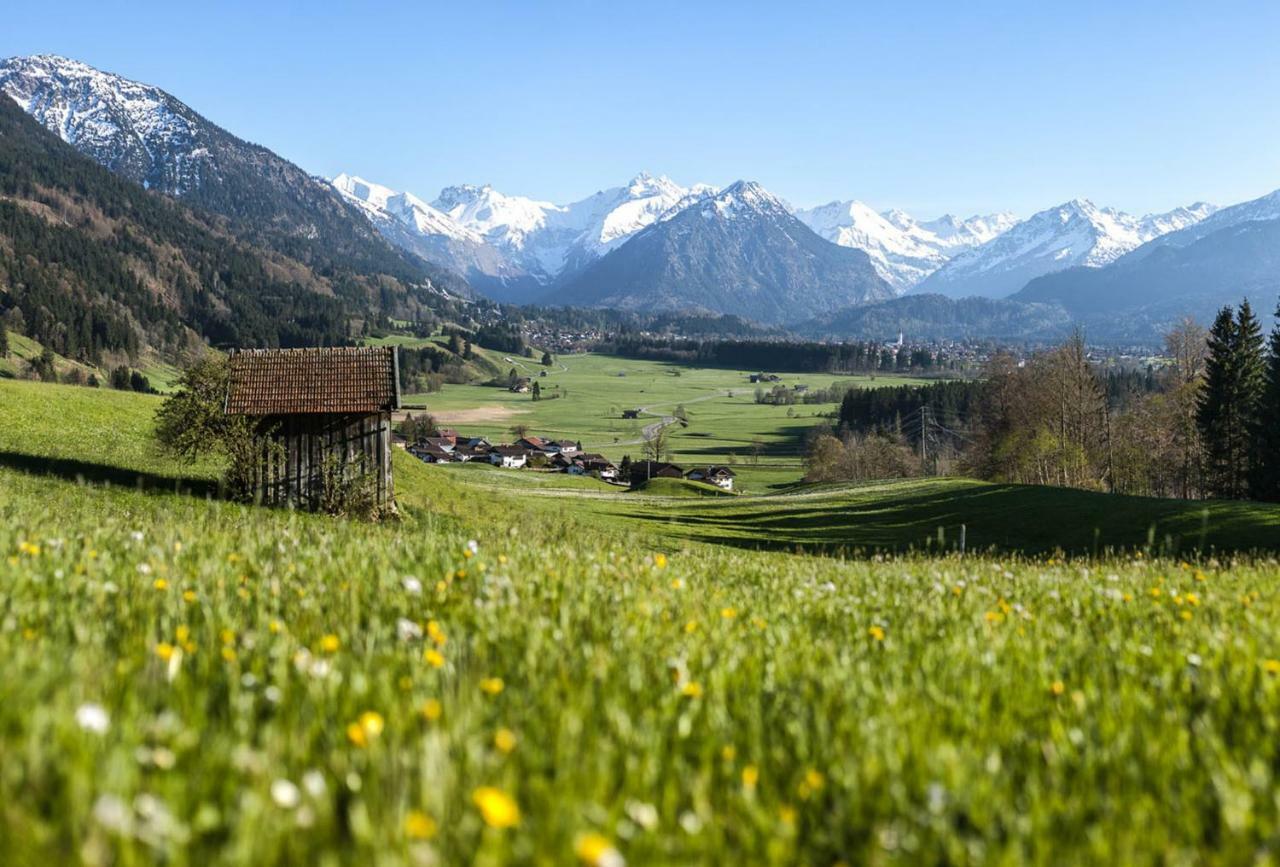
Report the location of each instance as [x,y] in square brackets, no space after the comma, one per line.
[531,669]
[585,395]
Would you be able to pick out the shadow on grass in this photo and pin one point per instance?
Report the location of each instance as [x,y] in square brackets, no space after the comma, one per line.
[106,474]
[1016,519]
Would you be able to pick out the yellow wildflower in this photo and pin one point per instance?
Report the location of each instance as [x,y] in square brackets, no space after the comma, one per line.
[504,740]
[419,826]
[677,583]
[160,584]
[229,654]
[728,613]
[434,658]
[750,776]
[692,689]
[691,627]
[492,685]
[660,560]
[596,850]
[182,633]
[876,632]
[330,643]
[188,596]
[365,729]
[432,709]
[1058,687]
[727,752]
[227,636]
[164,650]
[274,627]
[436,633]
[497,808]
[1271,666]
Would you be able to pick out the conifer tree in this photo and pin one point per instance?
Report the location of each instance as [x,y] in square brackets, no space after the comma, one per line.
[1265,484]
[1228,410]
[4,341]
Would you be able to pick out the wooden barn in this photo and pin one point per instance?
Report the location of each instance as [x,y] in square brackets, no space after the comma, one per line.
[325,418]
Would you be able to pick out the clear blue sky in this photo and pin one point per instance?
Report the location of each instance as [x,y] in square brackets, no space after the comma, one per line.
[945,106]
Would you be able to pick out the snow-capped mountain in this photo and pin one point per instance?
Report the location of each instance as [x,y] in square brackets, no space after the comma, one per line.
[1255,210]
[150,137]
[511,246]
[552,240]
[903,250]
[739,251]
[1075,233]
[413,225]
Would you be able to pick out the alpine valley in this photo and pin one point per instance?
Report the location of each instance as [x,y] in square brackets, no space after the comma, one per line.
[349,248]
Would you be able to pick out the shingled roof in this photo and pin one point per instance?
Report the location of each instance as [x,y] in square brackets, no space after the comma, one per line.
[302,381]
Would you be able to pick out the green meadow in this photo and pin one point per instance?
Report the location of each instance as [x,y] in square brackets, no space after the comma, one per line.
[584,397]
[532,669]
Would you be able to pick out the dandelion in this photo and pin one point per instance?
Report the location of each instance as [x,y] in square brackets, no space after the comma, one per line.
[993,617]
[814,779]
[164,650]
[787,815]
[677,583]
[29,549]
[750,776]
[660,560]
[432,709]
[93,718]
[330,643]
[876,632]
[436,633]
[1058,687]
[160,584]
[182,633]
[492,685]
[728,613]
[504,740]
[274,627]
[189,596]
[1271,666]
[497,808]
[434,658]
[596,850]
[229,654]
[691,627]
[728,752]
[419,826]
[365,729]
[692,689]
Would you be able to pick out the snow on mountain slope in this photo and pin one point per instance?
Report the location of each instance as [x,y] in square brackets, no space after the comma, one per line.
[405,207]
[1255,210]
[739,251]
[549,240]
[131,128]
[903,250]
[1075,233]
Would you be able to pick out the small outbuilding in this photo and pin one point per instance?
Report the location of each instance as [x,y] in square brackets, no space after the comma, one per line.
[324,416]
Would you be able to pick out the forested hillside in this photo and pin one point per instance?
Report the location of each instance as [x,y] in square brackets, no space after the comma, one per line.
[92,263]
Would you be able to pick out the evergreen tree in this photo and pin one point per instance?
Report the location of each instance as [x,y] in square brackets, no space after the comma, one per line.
[1265,484]
[1227,414]
[537,391]
[4,341]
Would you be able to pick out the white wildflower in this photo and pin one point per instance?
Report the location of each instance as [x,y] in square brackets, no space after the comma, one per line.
[412,586]
[407,630]
[285,794]
[93,718]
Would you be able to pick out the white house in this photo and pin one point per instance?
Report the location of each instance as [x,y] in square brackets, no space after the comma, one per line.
[509,457]
[721,477]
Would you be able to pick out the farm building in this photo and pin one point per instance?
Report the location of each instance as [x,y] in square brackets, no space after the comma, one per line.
[721,477]
[643,471]
[325,418]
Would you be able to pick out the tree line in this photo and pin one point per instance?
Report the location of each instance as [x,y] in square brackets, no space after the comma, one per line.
[794,356]
[1206,423]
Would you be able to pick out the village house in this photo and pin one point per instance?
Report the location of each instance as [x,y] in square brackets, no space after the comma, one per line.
[631,413]
[565,447]
[432,454]
[325,418]
[597,464]
[521,385]
[509,457]
[533,443]
[441,442]
[721,477]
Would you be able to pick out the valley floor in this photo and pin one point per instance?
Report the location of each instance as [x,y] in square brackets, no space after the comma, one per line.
[533,669]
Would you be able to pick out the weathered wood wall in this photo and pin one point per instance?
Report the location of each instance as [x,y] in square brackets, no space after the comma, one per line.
[301,451]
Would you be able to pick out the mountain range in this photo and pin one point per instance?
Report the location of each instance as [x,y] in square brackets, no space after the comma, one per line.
[650,243]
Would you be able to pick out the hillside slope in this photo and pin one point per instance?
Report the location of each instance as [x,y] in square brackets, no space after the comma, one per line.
[96,264]
[151,138]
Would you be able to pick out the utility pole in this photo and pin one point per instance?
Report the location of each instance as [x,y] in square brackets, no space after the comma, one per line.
[924,438]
